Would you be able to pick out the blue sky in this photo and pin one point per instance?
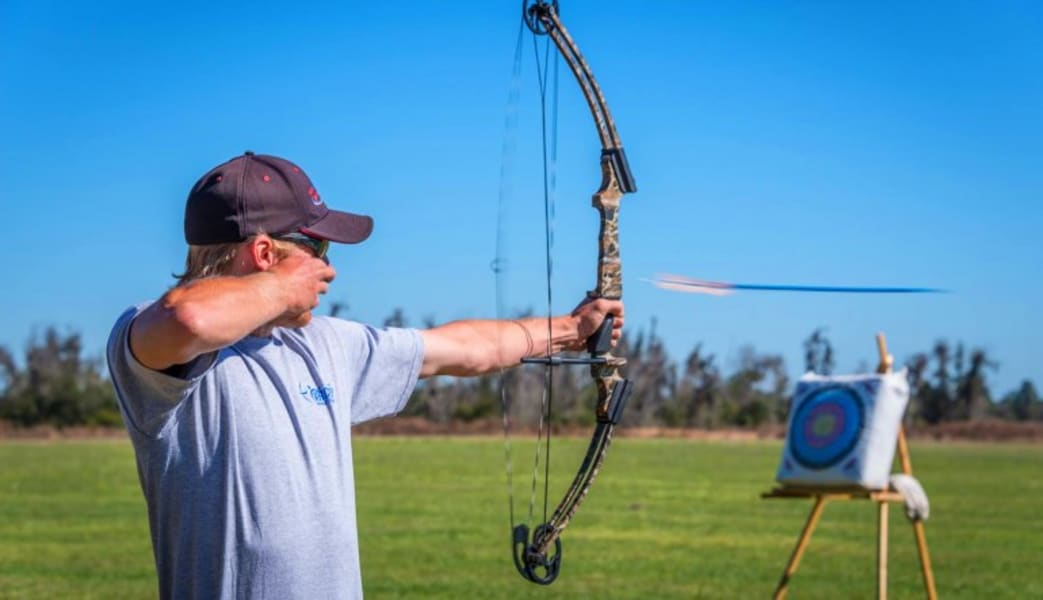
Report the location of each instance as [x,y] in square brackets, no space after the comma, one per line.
[832,143]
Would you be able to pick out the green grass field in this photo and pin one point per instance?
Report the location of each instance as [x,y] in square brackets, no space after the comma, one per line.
[666,519]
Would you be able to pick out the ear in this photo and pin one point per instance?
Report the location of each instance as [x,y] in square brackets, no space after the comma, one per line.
[261,253]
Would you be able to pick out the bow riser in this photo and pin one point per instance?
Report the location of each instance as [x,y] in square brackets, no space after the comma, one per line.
[610,269]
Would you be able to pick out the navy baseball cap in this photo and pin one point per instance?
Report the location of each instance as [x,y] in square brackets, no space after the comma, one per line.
[255,192]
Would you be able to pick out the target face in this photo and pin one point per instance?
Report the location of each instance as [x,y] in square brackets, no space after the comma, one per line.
[827,427]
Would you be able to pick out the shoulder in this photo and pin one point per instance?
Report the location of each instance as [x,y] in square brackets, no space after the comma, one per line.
[327,326]
[328,329]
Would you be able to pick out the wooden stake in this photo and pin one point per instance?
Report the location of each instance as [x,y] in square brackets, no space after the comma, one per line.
[925,560]
[881,551]
[903,452]
[886,360]
[886,366]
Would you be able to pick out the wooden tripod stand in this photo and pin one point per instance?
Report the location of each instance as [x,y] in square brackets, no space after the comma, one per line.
[881,497]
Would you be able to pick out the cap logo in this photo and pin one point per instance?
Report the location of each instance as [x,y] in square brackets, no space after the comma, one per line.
[315,199]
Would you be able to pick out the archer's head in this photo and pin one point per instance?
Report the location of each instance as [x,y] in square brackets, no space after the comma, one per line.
[256,195]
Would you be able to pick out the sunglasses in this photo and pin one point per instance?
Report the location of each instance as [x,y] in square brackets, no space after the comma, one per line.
[318,247]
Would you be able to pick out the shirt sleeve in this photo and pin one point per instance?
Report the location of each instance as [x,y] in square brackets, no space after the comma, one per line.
[148,399]
[388,364]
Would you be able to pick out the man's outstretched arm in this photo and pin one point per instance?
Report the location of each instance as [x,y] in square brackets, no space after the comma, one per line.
[474,347]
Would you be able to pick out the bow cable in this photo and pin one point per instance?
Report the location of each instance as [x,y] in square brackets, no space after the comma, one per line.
[549,147]
[499,263]
[549,152]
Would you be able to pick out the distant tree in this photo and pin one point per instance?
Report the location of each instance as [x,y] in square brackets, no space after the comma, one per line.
[756,393]
[777,389]
[57,386]
[697,393]
[8,369]
[481,401]
[397,318]
[972,393]
[921,396]
[654,376]
[426,391]
[1023,404]
[955,390]
[942,395]
[818,353]
[338,307]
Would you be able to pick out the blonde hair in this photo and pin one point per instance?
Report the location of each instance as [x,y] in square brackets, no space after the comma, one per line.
[214,260]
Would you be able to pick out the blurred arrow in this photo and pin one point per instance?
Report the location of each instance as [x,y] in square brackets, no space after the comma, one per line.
[679,283]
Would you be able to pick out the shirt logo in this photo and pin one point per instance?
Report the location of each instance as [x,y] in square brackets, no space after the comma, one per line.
[323,395]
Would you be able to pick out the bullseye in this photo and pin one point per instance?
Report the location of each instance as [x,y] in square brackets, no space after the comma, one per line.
[827,426]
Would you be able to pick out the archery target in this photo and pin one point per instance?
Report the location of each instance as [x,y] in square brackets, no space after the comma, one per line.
[826,427]
[843,430]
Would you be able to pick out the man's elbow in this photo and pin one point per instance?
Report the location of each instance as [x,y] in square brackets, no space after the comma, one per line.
[175,332]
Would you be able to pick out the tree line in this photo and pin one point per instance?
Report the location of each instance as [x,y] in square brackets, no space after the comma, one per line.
[56,384]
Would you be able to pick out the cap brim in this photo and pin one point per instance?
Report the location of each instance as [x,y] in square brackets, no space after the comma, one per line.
[342,227]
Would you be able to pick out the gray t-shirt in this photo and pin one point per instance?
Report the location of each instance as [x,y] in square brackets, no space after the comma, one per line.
[245,460]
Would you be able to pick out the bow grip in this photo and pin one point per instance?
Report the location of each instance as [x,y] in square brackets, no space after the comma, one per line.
[601,341]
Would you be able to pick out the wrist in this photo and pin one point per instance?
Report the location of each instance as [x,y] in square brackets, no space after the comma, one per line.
[567,332]
[272,291]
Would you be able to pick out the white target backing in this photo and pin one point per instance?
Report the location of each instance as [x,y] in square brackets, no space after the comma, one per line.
[843,430]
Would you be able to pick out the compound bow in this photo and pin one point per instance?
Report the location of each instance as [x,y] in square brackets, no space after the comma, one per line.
[537,553]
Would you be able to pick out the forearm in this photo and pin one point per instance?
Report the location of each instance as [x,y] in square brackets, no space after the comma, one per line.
[204,316]
[473,347]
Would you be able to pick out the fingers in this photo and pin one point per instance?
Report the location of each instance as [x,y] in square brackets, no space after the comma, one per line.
[614,308]
[307,278]
[610,307]
[591,313]
[603,306]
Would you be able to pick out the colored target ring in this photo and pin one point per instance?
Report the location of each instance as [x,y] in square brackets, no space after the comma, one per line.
[826,427]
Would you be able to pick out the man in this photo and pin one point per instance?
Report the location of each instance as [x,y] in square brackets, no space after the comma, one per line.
[239,401]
